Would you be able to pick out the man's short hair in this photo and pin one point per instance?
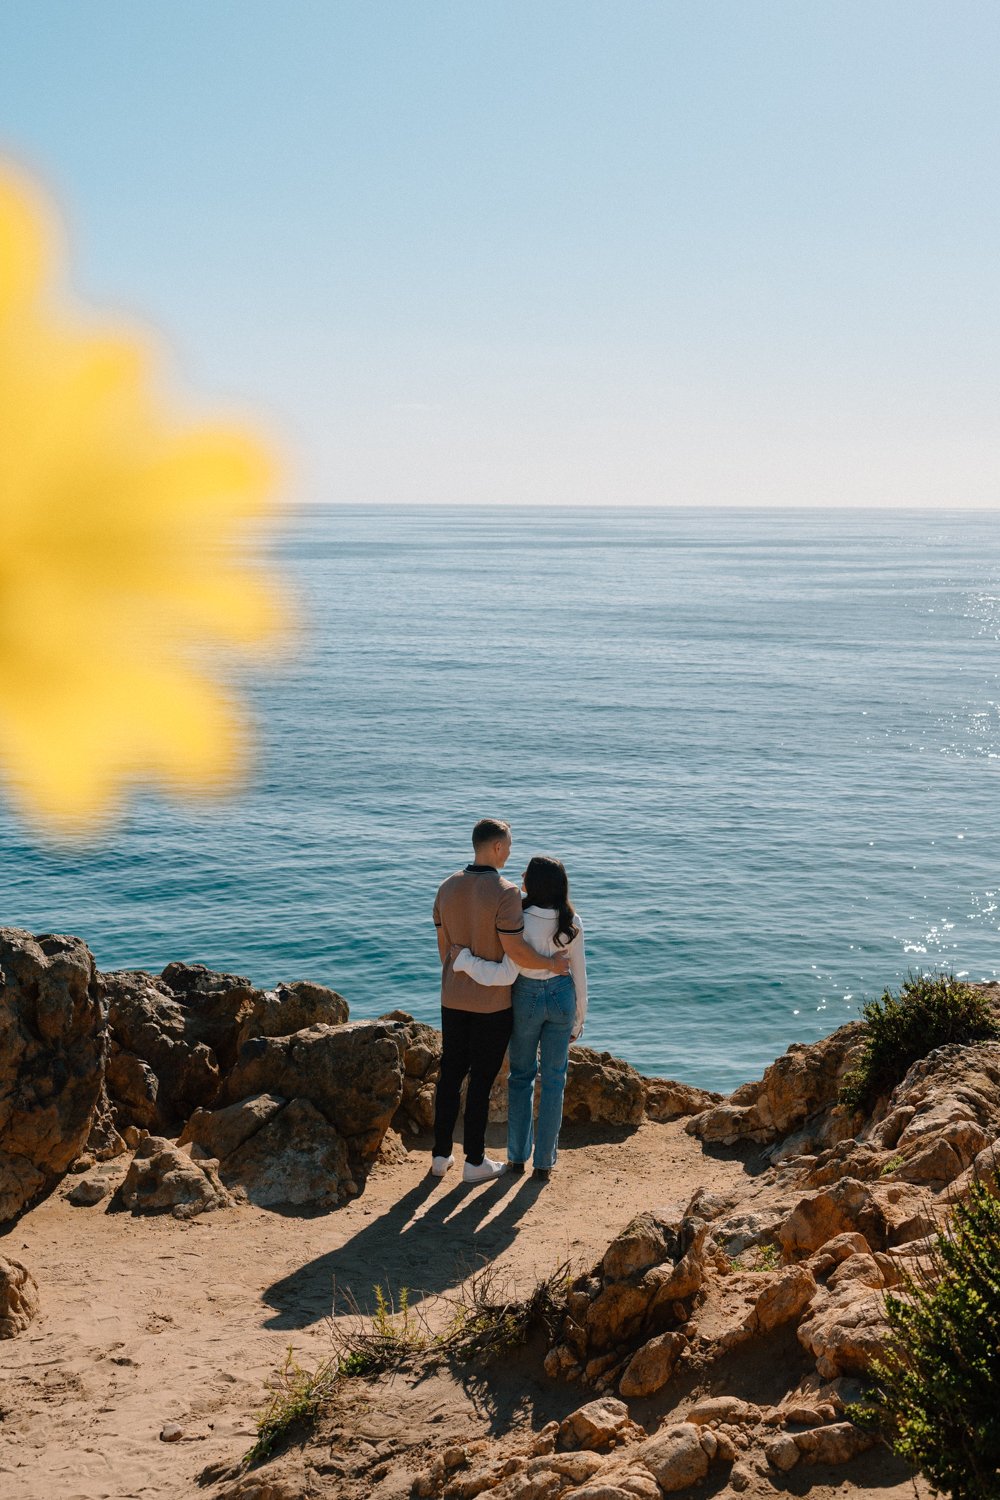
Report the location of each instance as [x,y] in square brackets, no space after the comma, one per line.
[488,830]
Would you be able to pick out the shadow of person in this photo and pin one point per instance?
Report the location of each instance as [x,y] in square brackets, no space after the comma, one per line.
[427,1249]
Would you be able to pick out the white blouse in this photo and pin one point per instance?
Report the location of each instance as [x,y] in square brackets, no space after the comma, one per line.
[540,924]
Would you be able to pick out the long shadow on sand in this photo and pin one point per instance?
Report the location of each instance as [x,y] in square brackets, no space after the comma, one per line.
[426,1249]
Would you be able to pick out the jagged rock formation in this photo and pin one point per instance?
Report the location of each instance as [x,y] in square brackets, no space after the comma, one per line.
[53,1043]
[351,1074]
[845,1208]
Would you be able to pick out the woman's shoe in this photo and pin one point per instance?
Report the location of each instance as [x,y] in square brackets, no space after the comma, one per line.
[542,1173]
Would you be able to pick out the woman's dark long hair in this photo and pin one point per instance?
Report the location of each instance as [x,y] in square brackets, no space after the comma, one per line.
[547,884]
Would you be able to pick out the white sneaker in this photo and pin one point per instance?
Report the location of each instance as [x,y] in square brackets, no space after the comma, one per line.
[486,1171]
[441,1164]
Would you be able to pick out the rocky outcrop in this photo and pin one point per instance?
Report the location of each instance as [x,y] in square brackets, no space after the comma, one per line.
[163,1178]
[944,1113]
[159,1070]
[599,1424]
[175,1037]
[52,1052]
[599,1452]
[802,1086]
[602,1090]
[216,1006]
[818,1217]
[420,1059]
[643,1287]
[18,1297]
[668,1100]
[281,1153]
[652,1365]
[351,1074]
[289,1008]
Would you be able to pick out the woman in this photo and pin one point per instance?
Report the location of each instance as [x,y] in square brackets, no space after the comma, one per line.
[549,1012]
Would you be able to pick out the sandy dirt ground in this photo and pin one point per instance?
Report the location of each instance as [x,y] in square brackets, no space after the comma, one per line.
[154,1321]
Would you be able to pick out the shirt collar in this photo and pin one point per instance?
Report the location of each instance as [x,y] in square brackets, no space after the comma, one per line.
[482,870]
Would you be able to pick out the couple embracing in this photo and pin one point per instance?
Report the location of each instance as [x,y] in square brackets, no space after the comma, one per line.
[513,973]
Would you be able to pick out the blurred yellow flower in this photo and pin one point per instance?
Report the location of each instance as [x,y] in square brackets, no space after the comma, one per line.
[119,556]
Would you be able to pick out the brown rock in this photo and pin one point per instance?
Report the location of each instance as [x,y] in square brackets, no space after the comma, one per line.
[290,1008]
[845,1329]
[392,1151]
[544,1442]
[677,1282]
[602,1090]
[674,1456]
[833,1251]
[598,1424]
[797,1414]
[836,1444]
[790,1291]
[847,1206]
[886,1133]
[265,1487]
[53,1044]
[938,1164]
[808,1078]
[804,1083]
[296,1160]
[911,1211]
[579,1467]
[725,1447]
[215,1005]
[645,1241]
[782,1453]
[133,1089]
[616,1314]
[627,1485]
[104,1142]
[162,1179]
[88,1191]
[219,1132]
[421,1062]
[352,1074]
[561,1363]
[725,1124]
[18,1297]
[859,1270]
[724,1409]
[667,1100]
[985,1169]
[651,1367]
[159,1069]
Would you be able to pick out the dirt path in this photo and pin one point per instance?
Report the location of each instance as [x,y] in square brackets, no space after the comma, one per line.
[149,1321]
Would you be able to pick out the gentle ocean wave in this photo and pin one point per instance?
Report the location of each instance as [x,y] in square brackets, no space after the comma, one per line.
[764,743]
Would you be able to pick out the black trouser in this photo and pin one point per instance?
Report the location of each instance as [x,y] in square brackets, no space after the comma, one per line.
[471,1044]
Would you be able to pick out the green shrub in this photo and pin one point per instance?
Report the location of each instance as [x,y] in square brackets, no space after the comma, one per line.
[937,1399]
[298,1396]
[931,1010]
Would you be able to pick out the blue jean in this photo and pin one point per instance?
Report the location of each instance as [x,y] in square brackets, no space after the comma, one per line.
[544,1011]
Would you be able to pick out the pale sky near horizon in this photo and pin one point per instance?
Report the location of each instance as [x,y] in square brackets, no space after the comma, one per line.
[570,252]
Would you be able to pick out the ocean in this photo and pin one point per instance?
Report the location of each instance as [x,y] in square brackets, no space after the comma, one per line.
[765,743]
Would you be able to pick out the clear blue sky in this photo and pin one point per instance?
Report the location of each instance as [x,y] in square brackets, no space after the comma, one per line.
[552,251]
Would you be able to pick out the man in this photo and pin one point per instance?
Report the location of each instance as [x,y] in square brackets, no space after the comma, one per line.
[477,909]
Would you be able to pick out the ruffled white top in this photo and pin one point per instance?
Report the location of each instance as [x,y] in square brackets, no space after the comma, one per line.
[540,924]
